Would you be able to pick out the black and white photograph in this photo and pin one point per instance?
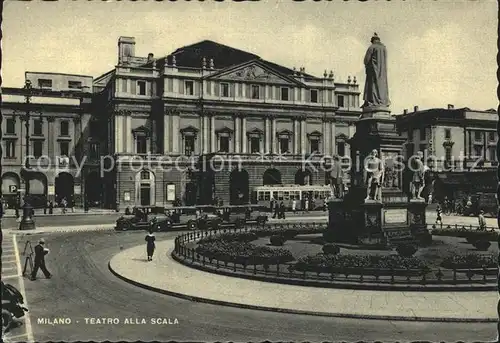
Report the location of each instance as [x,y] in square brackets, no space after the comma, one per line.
[250,171]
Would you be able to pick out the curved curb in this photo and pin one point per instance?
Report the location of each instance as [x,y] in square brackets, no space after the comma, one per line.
[340,284]
[292,311]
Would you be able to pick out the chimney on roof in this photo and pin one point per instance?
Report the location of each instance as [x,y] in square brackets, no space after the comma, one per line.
[450,106]
[126,48]
[151,56]
[405,111]
[415,108]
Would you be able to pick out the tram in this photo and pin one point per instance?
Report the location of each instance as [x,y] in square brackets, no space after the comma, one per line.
[315,195]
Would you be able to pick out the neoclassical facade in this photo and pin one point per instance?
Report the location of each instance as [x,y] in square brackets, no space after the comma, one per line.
[208,106]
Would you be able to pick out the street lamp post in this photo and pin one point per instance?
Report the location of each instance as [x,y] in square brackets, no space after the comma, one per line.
[27,222]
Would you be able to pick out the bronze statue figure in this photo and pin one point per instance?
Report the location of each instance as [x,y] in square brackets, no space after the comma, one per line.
[373,176]
[337,179]
[376,93]
[417,183]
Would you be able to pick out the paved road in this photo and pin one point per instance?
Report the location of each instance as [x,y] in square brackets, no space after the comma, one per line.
[83,287]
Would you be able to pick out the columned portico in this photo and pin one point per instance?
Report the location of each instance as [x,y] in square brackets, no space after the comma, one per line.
[244,138]
[274,147]
[237,133]
[268,135]
[303,145]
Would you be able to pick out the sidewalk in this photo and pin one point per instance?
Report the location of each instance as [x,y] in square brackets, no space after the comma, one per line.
[167,276]
[61,229]
[10,213]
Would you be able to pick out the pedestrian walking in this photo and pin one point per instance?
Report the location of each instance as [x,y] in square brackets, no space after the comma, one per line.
[294,206]
[282,210]
[40,252]
[482,221]
[150,244]
[64,204]
[51,207]
[271,205]
[306,205]
[439,211]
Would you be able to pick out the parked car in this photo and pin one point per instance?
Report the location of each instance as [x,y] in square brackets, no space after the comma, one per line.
[145,218]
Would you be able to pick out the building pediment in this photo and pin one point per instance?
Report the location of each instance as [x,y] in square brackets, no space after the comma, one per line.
[225,129]
[284,132]
[255,132]
[189,130]
[315,133]
[253,71]
[342,136]
[141,130]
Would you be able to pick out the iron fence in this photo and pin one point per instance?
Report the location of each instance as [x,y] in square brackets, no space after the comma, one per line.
[185,250]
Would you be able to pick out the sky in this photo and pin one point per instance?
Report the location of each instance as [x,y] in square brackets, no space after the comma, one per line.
[439,52]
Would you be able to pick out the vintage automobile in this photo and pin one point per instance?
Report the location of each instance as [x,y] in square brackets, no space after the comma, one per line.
[195,217]
[244,214]
[145,218]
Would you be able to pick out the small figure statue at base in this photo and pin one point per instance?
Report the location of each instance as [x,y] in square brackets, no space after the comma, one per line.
[373,176]
[337,179]
[417,184]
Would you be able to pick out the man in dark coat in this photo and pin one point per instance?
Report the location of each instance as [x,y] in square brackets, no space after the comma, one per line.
[40,252]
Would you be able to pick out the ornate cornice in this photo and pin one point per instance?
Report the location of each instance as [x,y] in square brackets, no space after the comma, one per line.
[122,113]
[315,133]
[50,119]
[172,112]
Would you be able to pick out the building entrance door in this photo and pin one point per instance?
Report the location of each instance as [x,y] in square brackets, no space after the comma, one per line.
[145,194]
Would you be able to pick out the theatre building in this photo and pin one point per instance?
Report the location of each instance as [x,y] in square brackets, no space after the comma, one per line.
[459,145]
[169,119]
[58,109]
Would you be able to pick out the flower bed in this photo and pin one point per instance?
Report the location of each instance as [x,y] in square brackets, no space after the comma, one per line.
[289,231]
[357,264]
[472,235]
[230,237]
[472,261]
[244,253]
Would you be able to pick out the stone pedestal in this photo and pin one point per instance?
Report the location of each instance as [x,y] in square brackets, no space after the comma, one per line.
[371,233]
[416,213]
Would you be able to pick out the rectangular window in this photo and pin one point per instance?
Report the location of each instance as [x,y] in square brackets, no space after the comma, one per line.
[37,127]
[124,85]
[492,153]
[340,101]
[64,148]
[188,145]
[478,135]
[447,133]
[254,145]
[255,91]
[145,175]
[141,145]
[64,126]
[314,145]
[10,148]
[11,126]
[37,148]
[284,94]
[189,87]
[141,87]
[341,149]
[44,83]
[224,90]
[94,151]
[491,136]
[284,146]
[75,85]
[314,95]
[422,134]
[224,144]
[478,151]
[448,154]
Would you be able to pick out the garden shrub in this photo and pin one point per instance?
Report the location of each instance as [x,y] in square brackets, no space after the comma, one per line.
[406,250]
[482,245]
[331,249]
[360,264]
[472,261]
[244,253]
[277,240]
[230,237]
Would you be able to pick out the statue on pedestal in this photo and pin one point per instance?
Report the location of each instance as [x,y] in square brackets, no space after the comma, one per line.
[337,179]
[373,176]
[417,183]
[376,93]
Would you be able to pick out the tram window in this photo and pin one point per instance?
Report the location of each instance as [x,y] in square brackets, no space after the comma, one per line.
[267,196]
[280,195]
[286,195]
[275,195]
[261,196]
